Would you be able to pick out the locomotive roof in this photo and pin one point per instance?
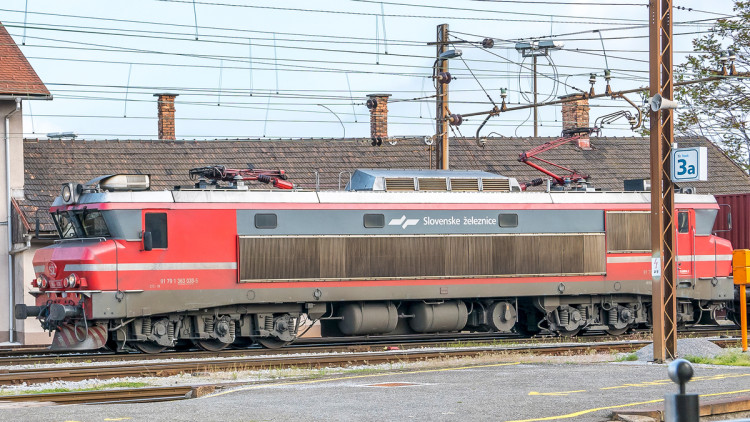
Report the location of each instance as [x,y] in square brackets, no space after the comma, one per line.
[345,197]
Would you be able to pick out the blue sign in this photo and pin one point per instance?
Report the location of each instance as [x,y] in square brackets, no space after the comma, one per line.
[689,164]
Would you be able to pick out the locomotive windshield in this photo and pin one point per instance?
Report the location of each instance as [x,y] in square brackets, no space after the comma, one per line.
[80,223]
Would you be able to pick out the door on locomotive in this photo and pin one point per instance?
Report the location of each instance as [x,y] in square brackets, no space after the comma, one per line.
[686,243]
[155,228]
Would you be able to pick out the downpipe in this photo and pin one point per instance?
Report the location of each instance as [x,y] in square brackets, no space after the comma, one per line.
[11,289]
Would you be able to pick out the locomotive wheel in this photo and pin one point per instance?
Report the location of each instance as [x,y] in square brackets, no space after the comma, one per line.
[147,347]
[271,342]
[568,333]
[212,345]
[618,331]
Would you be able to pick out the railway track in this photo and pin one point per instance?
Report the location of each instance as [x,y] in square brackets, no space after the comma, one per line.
[342,345]
[245,363]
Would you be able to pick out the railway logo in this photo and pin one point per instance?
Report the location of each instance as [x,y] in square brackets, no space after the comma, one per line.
[403,222]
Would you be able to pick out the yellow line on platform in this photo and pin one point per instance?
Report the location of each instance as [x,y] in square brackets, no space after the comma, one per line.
[583,412]
[667,381]
[316,381]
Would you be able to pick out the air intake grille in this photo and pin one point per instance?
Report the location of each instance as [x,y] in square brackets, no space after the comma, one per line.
[433,184]
[392,183]
[465,185]
[496,185]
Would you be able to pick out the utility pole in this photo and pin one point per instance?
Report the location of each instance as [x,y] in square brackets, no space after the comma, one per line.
[536,124]
[534,49]
[441,101]
[663,257]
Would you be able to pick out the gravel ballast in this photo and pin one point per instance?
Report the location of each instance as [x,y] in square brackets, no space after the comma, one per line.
[685,347]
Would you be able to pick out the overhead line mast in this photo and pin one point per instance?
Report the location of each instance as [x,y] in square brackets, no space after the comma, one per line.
[441,96]
[663,256]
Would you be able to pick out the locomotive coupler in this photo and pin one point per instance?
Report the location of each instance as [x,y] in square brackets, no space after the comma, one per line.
[22,311]
[58,312]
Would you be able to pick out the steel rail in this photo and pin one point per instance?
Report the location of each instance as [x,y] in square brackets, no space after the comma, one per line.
[125,395]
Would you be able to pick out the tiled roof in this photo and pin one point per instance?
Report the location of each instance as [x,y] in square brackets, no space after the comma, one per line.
[17,77]
[49,163]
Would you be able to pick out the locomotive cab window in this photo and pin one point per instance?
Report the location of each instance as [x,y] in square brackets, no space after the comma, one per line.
[265,221]
[82,223]
[374,221]
[683,222]
[507,220]
[156,223]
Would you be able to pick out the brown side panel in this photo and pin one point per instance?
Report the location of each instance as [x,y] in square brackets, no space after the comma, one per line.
[469,255]
[333,258]
[504,259]
[329,258]
[594,258]
[628,231]
[279,258]
[571,262]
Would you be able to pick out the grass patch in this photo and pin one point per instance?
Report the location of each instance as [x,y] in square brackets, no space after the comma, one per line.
[733,358]
[627,358]
[70,390]
[364,371]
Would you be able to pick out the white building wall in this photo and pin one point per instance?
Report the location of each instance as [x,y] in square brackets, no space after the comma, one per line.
[29,331]
[23,270]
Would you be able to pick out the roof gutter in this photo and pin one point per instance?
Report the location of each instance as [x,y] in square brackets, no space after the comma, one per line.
[11,97]
[11,299]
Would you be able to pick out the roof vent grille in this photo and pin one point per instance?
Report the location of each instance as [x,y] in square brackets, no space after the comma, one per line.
[436,184]
[496,185]
[465,185]
[402,184]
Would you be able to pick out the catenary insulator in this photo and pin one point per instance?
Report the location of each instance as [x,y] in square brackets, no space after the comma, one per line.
[455,119]
[444,77]
[488,43]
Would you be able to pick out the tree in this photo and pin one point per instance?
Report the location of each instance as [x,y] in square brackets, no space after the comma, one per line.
[719,110]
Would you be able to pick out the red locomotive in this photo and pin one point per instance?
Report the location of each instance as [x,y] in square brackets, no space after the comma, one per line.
[396,251]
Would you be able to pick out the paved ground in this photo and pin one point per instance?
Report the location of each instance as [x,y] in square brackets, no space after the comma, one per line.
[494,391]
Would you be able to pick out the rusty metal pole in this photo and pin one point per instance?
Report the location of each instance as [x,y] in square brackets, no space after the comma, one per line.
[536,130]
[663,259]
[743,316]
[441,100]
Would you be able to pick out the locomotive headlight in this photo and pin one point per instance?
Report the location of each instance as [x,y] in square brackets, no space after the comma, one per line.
[66,193]
[42,281]
[72,280]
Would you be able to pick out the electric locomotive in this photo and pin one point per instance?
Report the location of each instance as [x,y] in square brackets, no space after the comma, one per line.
[396,251]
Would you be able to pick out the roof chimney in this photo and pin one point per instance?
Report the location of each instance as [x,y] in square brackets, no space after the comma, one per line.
[575,117]
[378,105]
[166,116]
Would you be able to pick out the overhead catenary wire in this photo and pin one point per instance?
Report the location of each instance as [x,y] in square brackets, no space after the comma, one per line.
[601,21]
[117,54]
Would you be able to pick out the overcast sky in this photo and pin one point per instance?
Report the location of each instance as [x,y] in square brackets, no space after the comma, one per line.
[104,61]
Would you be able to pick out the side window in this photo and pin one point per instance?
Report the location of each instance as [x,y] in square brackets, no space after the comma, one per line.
[374,221]
[156,223]
[683,222]
[507,220]
[265,221]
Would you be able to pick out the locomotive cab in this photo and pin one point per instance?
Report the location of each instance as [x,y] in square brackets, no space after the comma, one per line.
[68,273]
